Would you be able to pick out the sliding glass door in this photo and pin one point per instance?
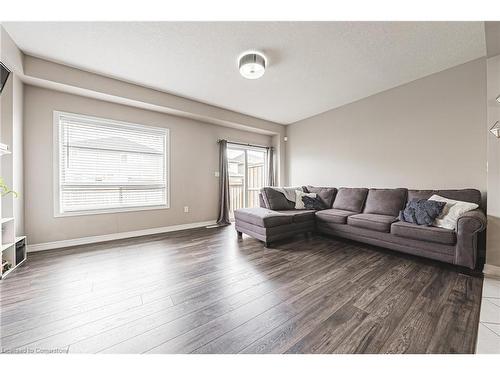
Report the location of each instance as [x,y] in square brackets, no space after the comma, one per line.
[247,175]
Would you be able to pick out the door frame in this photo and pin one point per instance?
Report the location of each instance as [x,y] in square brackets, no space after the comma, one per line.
[245,149]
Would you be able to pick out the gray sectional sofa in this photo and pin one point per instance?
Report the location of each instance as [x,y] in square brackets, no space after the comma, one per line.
[369,216]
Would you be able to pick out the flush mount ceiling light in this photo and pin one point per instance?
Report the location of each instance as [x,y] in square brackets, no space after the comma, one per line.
[252,64]
[498,98]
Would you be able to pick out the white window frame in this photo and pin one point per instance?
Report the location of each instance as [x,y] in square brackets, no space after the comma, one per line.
[56,167]
[245,148]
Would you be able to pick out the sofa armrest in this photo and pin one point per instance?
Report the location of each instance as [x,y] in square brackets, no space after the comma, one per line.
[471,222]
[468,226]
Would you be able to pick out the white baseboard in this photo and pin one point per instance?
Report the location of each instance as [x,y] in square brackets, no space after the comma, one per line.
[114,236]
[491,270]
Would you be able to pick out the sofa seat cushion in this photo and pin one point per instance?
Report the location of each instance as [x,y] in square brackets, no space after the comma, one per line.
[262,217]
[380,223]
[299,216]
[334,216]
[424,233]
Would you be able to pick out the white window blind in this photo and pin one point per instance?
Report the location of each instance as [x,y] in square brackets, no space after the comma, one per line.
[109,165]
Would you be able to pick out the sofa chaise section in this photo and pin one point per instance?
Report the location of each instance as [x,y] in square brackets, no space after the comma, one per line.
[268,225]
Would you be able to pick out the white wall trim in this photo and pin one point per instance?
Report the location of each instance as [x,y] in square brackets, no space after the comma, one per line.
[491,270]
[114,236]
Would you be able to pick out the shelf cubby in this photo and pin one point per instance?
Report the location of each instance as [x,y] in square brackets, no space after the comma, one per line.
[13,255]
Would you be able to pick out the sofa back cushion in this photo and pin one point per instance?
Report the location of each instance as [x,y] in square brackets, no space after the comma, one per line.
[350,199]
[385,201]
[325,194]
[419,194]
[465,195]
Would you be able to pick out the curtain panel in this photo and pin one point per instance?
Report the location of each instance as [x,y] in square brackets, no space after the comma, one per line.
[223,218]
[270,167]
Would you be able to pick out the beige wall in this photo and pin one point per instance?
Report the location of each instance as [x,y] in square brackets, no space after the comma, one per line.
[493,234]
[64,78]
[11,56]
[193,160]
[12,164]
[429,133]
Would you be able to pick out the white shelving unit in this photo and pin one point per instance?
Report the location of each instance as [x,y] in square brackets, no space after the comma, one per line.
[4,149]
[12,247]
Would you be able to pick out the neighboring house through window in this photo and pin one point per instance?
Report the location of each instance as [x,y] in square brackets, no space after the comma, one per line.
[108,166]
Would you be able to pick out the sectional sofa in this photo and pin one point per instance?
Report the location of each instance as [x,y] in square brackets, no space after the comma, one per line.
[369,216]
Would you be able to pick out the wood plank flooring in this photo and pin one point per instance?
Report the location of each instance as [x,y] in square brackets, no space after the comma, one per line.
[206,291]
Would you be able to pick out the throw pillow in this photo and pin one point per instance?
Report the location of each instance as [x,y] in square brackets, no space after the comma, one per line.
[313,203]
[276,200]
[299,203]
[421,211]
[451,211]
[325,194]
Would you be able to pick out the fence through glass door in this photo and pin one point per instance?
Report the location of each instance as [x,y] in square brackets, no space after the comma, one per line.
[247,173]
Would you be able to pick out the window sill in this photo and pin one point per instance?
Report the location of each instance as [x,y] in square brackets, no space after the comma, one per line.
[110,211]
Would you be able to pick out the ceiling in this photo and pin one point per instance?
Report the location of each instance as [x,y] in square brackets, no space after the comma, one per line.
[313,66]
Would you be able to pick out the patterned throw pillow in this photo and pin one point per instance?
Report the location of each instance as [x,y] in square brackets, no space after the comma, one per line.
[453,209]
[325,194]
[313,203]
[276,200]
[421,211]
[299,204]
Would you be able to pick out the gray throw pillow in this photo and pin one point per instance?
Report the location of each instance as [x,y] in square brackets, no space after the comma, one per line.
[313,203]
[421,211]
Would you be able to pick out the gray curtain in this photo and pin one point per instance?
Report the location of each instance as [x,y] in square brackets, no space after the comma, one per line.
[223,218]
[270,167]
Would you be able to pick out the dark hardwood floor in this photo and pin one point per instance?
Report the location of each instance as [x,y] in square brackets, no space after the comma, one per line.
[205,291]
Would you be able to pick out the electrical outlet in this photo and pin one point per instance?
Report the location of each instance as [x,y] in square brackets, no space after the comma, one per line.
[186,209]
[217,174]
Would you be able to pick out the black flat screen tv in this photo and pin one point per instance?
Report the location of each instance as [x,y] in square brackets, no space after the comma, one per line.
[4,74]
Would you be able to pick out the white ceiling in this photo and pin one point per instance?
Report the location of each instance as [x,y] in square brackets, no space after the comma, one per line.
[313,66]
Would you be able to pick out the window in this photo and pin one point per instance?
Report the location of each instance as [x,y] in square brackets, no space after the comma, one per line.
[106,166]
[247,173]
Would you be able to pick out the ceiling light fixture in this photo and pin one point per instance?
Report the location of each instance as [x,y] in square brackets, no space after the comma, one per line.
[498,98]
[252,64]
